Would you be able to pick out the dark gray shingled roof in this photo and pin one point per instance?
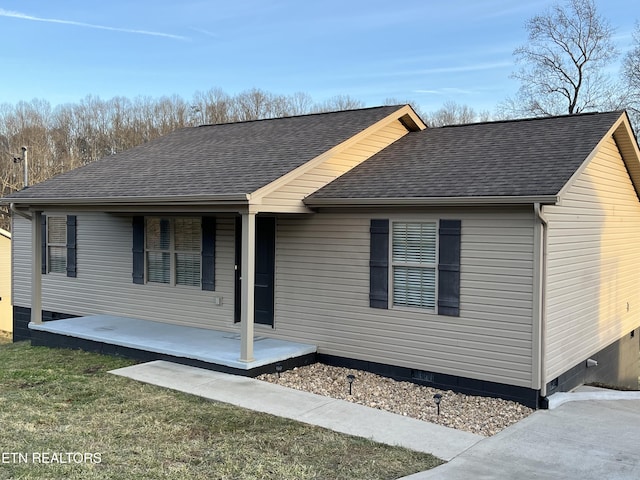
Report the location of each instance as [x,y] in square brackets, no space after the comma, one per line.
[226,159]
[511,158]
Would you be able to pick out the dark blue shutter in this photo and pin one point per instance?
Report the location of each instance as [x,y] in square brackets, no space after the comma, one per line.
[208,253]
[379,264]
[71,246]
[43,230]
[449,268]
[138,249]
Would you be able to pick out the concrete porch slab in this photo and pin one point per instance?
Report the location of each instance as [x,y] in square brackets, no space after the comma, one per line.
[199,344]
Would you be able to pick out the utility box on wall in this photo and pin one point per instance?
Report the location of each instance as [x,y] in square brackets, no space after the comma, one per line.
[6,311]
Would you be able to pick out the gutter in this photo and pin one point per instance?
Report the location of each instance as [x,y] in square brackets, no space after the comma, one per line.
[168,200]
[418,201]
[13,209]
[542,290]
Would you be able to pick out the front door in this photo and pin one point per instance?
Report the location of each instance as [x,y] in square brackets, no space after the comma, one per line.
[265,267]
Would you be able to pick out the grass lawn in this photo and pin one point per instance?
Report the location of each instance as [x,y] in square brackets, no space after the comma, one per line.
[57,405]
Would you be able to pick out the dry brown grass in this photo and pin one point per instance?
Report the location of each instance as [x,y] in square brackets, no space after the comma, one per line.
[65,401]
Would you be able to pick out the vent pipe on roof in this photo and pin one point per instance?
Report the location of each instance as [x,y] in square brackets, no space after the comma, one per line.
[26,167]
[25,161]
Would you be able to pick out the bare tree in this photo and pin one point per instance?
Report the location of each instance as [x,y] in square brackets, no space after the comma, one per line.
[563,62]
[631,69]
[253,104]
[631,78]
[210,107]
[453,113]
[300,103]
[338,102]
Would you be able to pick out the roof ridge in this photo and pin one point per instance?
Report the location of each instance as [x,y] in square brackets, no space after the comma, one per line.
[531,119]
[299,116]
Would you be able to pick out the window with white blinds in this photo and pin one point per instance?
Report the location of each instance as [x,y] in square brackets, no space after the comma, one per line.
[173,250]
[413,260]
[57,244]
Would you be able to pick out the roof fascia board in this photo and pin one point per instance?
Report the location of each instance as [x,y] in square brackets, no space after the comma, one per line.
[628,146]
[241,199]
[418,201]
[129,210]
[402,112]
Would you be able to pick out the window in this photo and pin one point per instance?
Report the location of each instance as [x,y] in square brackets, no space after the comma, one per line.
[56,245]
[413,262]
[403,258]
[173,250]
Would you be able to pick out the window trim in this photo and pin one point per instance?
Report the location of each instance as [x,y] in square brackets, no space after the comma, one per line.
[392,264]
[56,245]
[172,251]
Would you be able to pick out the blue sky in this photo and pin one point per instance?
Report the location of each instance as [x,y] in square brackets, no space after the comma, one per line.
[427,51]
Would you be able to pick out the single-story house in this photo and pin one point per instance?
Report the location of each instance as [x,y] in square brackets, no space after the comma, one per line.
[6,311]
[500,258]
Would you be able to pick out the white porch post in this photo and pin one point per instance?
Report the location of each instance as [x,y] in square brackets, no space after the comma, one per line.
[36,267]
[247,286]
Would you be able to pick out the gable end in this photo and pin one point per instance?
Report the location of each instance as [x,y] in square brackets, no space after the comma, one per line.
[287,193]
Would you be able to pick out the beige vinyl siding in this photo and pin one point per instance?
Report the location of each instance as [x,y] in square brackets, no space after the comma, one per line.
[322,290]
[593,263]
[20,261]
[289,195]
[6,310]
[104,283]
[322,296]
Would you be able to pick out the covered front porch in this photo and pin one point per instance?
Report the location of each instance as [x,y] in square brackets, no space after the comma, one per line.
[149,340]
[213,278]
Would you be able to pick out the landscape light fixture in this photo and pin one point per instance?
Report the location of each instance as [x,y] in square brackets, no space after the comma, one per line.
[437,398]
[278,369]
[350,378]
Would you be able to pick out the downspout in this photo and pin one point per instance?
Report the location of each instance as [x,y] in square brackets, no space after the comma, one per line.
[13,209]
[542,291]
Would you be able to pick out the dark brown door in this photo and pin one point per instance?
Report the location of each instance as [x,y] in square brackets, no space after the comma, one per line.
[265,269]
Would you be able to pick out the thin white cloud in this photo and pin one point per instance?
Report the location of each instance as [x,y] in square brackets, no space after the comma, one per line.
[205,32]
[446,91]
[468,68]
[24,16]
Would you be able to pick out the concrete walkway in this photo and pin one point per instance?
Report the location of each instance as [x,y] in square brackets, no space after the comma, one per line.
[338,415]
[581,440]
[587,436]
[584,393]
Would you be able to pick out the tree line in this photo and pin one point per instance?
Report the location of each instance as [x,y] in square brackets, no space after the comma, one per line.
[564,68]
[68,136]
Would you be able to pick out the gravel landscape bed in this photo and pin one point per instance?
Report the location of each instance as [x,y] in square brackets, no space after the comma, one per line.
[480,415]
